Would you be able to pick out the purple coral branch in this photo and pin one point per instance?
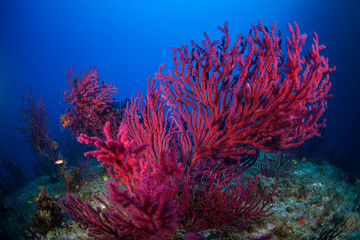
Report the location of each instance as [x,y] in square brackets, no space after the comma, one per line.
[146,208]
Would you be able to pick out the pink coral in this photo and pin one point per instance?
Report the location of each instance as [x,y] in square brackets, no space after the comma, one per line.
[35,129]
[146,208]
[233,100]
[148,121]
[90,103]
[216,201]
[220,103]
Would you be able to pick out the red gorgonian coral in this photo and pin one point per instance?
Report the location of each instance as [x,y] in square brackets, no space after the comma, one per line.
[90,103]
[219,103]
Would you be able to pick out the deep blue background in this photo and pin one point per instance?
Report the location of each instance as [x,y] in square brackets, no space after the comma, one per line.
[128,41]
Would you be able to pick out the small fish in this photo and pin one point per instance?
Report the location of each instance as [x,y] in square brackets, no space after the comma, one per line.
[295,162]
[56,196]
[60,161]
[302,221]
[105,178]
[54,145]
[29,202]
[64,121]
[303,159]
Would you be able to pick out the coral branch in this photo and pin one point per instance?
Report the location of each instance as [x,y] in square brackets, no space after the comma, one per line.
[150,215]
[118,155]
[146,209]
[148,122]
[90,103]
[229,101]
[216,201]
[35,129]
